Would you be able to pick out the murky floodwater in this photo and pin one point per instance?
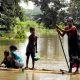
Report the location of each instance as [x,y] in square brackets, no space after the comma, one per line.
[51,58]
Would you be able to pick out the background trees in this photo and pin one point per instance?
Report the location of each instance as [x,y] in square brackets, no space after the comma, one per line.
[9,10]
[74,8]
[52,12]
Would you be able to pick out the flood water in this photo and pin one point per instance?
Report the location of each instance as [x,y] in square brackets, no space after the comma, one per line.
[52,58]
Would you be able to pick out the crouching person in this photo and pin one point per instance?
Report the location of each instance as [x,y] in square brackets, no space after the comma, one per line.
[5,59]
[16,57]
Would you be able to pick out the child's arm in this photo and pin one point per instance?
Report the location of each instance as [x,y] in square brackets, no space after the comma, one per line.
[2,62]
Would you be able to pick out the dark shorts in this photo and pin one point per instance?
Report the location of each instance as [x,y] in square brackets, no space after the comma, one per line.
[10,64]
[32,55]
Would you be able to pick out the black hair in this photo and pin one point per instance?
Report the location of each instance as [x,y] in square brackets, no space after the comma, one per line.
[32,29]
[6,52]
[13,47]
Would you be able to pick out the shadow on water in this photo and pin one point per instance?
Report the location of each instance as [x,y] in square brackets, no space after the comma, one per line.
[49,47]
[51,58]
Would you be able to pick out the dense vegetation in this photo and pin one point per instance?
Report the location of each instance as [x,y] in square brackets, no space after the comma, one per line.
[56,11]
[15,21]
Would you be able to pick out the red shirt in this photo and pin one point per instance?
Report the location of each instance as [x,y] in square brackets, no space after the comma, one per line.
[71,32]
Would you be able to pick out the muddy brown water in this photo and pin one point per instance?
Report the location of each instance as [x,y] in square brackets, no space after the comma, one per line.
[51,55]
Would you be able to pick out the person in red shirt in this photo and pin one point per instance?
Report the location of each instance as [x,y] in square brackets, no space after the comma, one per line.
[73,48]
[31,47]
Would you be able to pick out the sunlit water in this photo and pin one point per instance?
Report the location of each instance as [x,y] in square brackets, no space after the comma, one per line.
[51,58]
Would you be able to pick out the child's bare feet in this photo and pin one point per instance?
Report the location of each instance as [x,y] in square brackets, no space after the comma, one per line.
[26,68]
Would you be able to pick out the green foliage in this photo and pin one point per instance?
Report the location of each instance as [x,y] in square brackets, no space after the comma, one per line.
[62,16]
[9,10]
[14,17]
[77,24]
[49,10]
[61,25]
[20,35]
[74,8]
[43,32]
[20,29]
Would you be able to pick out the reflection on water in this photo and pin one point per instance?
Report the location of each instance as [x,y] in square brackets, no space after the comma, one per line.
[35,76]
[51,58]
[42,76]
[4,75]
[49,47]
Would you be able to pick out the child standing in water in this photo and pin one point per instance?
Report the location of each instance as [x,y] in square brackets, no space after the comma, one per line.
[31,47]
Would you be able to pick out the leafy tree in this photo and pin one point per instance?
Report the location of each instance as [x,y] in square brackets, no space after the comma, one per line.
[9,10]
[62,16]
[74,8]
[49,10]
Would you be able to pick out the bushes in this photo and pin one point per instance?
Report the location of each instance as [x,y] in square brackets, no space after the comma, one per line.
[77,24]
[20,35]
[21,28]
[18,31]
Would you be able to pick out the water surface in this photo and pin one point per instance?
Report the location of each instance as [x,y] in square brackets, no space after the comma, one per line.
[51,58]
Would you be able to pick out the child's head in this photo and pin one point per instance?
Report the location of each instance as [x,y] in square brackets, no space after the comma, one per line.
[6,53]
[32,30]
[13,48]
